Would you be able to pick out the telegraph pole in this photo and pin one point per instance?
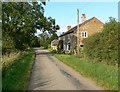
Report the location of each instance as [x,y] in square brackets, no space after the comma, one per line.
[78,31]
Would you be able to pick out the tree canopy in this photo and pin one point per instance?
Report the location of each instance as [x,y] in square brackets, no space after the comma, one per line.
[20,22]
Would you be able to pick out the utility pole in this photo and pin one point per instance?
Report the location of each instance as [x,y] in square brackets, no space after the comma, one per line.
[78,31]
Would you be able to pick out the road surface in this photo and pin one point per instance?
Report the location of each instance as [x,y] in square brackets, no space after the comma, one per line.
[49,73]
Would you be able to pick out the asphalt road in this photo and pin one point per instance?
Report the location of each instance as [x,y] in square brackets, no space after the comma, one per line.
[50,74]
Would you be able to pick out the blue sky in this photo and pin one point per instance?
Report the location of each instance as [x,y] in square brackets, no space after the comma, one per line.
[65,13]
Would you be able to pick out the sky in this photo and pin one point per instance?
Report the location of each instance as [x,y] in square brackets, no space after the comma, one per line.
[65,13]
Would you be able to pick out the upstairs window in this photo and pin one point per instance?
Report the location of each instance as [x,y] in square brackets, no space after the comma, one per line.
[84,34]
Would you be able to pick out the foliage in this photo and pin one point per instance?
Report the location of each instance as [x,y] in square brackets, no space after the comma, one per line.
[60,46]
[104,75]
[17,75]
[8,59]
[20,22]
[35,41]
[7,43]
[53,37]
[104,46]
[16,23]
[50,25]
[53,51]
[44,39]
[51,28]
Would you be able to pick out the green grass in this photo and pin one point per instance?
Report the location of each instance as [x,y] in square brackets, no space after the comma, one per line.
[17,76]
[104,75]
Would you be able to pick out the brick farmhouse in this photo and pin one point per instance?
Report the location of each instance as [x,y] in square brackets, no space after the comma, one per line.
[86,28]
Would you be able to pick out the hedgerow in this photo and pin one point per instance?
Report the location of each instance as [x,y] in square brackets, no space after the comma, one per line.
[103,46]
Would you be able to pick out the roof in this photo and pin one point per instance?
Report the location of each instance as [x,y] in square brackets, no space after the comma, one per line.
[75,28]
[55,42]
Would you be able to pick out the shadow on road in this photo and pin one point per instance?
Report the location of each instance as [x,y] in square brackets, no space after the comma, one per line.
[43,53]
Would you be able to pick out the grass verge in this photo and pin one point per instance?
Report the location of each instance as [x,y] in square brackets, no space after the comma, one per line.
[17,76]
[104,75]
[8,60]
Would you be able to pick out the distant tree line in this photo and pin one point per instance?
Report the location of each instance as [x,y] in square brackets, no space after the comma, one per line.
[20,22]
[45,39]
[103,46]
[47,36]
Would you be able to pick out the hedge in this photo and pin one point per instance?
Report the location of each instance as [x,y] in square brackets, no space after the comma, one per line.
[104,46]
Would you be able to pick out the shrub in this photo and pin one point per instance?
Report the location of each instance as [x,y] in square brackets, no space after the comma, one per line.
[46,46]
[60,46]
[104,46]
[53,51]
[7,43]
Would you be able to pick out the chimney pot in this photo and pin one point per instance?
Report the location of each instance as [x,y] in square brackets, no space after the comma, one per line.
[68,28]
[83,17]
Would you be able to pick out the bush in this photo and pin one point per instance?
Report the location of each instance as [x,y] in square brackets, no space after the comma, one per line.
[7,43]
[80,54]
[46,47]
[104,46]
[53,51]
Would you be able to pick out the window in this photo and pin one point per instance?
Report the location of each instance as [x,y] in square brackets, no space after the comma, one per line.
[84,34]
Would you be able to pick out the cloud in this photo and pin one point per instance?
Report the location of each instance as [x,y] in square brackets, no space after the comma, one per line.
[64,29]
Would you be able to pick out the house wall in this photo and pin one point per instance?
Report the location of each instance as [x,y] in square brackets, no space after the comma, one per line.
[92,27]
[66,41]
[69,39]
[73,41]
[54,47]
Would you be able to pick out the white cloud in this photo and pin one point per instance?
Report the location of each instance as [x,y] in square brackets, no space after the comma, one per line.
[64,29]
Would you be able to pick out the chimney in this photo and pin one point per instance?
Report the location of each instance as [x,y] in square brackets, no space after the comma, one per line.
[68,28]
[83,18]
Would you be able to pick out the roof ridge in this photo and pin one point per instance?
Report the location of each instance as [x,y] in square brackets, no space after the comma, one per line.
[69,31]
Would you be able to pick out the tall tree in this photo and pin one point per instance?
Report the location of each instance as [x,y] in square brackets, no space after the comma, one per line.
[50,25]
[44,39]
[20,21]
[53,36]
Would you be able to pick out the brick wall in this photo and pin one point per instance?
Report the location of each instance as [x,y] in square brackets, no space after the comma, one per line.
[92,27]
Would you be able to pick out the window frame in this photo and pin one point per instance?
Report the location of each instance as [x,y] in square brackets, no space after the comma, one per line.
[84,34]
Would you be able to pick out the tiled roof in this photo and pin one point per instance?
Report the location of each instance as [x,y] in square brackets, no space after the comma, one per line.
[75,28]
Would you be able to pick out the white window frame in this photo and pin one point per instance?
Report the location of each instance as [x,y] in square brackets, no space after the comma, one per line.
[84,34]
